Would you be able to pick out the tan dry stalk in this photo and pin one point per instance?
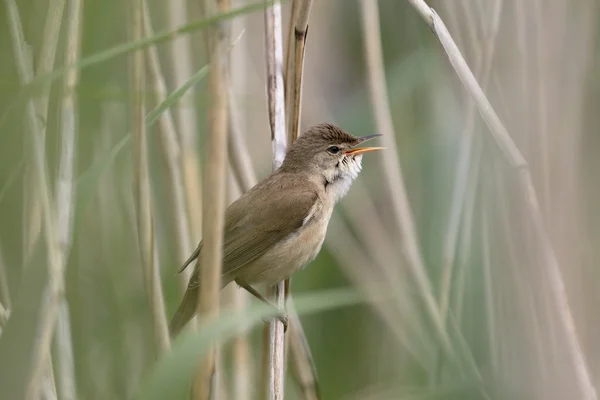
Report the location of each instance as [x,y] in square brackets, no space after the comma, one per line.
[520,166]
[215,186]
[142,192]
[295,65]
[242,357]
[243,177]
[392,169]
[171,152]
[276,108]
[65,194]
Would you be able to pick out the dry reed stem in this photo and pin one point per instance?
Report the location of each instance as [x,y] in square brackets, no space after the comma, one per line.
[277,123]
[392,169]
[187,126]
[242,357]
[517,161]
[55,286]
[65,195]
[171,152]
[142,191]
[295,65]
[215,186]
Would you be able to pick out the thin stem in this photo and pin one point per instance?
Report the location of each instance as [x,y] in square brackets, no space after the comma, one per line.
[276,108]
[242,357]
[65,194]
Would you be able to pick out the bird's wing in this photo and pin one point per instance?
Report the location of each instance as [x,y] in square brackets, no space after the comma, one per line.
[249,235]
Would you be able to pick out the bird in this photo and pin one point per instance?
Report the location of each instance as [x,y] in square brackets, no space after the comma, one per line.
[278,226]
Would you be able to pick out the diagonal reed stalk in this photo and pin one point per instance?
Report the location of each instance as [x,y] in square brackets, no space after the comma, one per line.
[521,168]
[241,357]
[215,184]
[142,191]
[275,362]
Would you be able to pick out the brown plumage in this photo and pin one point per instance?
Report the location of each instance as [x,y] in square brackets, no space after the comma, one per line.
[279,225]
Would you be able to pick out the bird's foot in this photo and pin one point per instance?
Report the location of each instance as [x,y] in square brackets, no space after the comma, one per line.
[282,317]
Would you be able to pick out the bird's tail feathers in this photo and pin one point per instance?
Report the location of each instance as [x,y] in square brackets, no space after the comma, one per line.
[185,311]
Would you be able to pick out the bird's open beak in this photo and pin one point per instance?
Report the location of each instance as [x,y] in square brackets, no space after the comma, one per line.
[361,150]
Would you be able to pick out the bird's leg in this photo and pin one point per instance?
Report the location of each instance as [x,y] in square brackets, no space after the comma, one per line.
[282,316]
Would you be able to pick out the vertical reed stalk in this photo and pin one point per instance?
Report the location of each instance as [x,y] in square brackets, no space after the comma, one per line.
[215,185]
[242,357]
[142,192]
[276,107]
[65,194]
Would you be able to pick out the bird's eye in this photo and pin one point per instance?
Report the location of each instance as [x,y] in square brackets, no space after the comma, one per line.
[333,150]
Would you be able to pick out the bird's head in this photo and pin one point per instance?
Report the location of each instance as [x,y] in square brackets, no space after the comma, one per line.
[330,153]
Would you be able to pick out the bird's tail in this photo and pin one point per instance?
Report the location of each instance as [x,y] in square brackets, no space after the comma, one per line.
[185,311]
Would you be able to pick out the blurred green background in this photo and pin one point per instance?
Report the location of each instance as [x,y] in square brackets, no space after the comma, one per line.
[537,62]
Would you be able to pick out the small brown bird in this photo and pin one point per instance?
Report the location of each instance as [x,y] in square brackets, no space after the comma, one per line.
[278,226]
